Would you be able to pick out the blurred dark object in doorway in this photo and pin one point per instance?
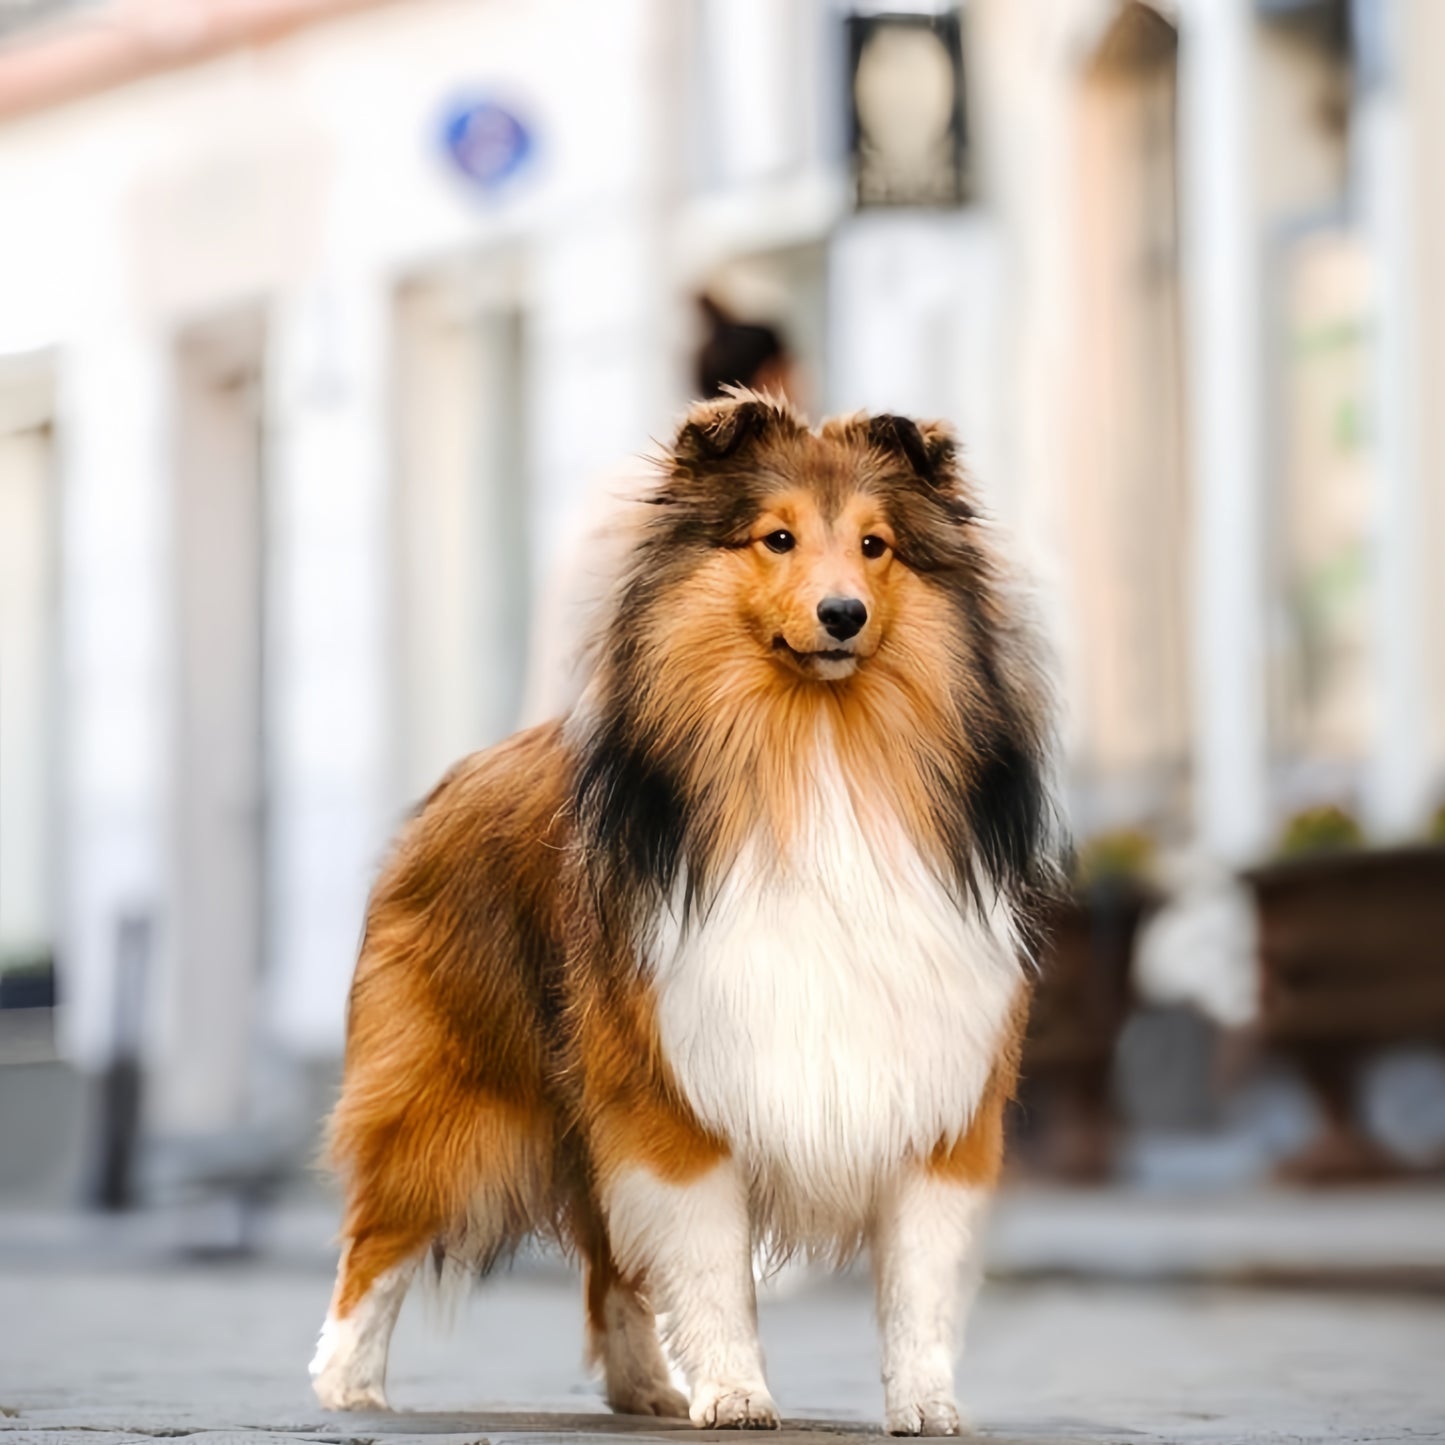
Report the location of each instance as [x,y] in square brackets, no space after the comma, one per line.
[27,1009]
[1352,960]
[1065,1126]
[30,984]
[740,353]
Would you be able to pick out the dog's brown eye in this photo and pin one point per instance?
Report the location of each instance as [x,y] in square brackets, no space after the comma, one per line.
[874,546]
[780,541]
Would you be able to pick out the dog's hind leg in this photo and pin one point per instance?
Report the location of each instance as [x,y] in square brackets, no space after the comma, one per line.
[396,1206]
[622,1336]
[456,1168]
[348,1371]
[445,1133]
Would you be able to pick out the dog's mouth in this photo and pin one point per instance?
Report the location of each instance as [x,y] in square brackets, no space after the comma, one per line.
[827,659]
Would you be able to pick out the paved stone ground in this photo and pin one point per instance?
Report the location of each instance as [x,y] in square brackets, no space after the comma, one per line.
[95,1355]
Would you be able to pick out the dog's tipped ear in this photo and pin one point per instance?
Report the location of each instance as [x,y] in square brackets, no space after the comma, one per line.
[712,431]
[929,447]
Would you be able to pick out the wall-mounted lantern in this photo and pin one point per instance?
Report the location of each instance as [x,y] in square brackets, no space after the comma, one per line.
[908,120]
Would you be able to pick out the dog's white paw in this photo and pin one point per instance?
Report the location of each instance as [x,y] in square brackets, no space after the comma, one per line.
[932,1415]
[341,1380]
[725,1405]
[649,1398]
[336,1392]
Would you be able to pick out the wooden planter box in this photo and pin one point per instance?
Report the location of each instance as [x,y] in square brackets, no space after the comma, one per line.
[1081,1002]
[1352,958]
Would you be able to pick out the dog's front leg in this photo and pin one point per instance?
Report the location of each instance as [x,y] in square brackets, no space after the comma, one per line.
[692,1244]
[925,1264]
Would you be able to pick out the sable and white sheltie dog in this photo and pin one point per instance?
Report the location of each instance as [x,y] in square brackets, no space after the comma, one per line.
[734,958]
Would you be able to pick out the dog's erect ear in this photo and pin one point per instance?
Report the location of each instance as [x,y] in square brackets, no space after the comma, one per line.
[928,447]
[712,431]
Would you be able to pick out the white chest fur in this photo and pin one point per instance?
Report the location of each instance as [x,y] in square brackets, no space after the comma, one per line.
[832,1014]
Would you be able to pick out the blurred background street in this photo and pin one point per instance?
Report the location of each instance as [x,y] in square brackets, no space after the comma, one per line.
[327,329]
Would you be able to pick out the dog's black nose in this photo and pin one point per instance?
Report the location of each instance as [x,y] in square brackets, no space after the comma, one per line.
[842,616]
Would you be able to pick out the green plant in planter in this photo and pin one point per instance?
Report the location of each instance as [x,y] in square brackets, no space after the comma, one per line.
[1436,831]
[1324,829]
[36,961]
[1122,855]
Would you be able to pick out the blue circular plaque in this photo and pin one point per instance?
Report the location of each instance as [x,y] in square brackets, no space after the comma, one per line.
[485,141]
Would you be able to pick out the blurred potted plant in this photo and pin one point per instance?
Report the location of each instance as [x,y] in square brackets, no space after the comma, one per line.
[1351,959]
[1081,1002]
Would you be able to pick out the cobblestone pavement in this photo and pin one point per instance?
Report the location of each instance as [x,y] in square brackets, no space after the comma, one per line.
[219,1353]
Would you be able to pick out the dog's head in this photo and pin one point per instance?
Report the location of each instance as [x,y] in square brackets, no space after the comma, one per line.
[785,552]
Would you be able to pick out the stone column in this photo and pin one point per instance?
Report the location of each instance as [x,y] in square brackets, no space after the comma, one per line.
[1221,264]
[1397,776]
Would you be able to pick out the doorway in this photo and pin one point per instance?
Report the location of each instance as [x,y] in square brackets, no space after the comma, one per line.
[29,712]
[462,536]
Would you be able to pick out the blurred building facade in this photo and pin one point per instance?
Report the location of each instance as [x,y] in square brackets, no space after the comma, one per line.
[320,318]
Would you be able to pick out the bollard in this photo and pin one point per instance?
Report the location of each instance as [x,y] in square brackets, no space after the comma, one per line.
[112,1184]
